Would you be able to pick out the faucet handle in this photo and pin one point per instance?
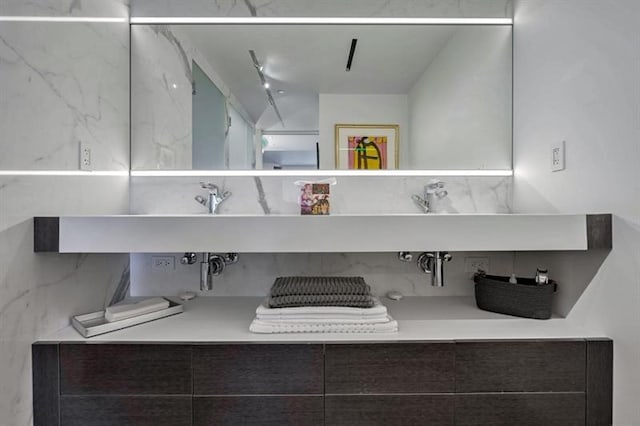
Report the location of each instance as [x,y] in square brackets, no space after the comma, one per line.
[209,186]
[433,186]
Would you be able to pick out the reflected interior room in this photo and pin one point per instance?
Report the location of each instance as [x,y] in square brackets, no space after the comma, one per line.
[473,167]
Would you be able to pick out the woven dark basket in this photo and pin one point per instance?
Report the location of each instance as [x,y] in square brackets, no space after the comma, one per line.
[525,299]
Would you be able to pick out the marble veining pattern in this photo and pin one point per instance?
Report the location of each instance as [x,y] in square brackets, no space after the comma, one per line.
[90,8]
[162,95]
[254,274]
[351,195]
[378,8]
[39,292]
[72,80]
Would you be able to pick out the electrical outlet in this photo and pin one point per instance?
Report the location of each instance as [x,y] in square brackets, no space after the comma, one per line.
[163,263]
[557,156]
[472,264]
[85,156]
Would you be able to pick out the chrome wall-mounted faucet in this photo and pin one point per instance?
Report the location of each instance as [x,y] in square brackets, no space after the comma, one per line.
[432,262]
[214,199]
[213,265]
[433,191]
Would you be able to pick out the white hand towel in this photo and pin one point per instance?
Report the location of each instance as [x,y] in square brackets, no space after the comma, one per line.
[259,326]
[120,312]
[320,312]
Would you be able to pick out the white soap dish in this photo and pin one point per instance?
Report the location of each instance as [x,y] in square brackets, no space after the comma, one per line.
[93,324]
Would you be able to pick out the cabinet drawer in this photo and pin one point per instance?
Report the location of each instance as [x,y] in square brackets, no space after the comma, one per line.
[390,368]
[90,369]
[389,410]
[556,409]
[258,369]
[258,410]
[125,410]
[533,366]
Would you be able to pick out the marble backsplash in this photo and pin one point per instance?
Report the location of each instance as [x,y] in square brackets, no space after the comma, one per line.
[254,274]
[350,195]
[378,8]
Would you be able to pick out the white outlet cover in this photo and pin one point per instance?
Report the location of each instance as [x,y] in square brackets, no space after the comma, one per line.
[472,264]
[85,156]
[163,263]
[557,156]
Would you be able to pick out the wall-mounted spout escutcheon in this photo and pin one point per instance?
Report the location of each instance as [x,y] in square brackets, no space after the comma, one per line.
[432,262]
[189,258]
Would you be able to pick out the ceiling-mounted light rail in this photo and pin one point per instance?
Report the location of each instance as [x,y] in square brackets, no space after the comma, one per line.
[352,51]
[265,84]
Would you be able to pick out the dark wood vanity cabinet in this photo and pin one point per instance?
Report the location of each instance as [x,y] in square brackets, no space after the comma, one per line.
[541,383]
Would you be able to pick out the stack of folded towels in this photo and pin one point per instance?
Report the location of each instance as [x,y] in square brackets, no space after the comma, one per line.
[322,305]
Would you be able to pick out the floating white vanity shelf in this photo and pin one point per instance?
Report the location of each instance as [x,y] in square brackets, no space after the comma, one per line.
[303,234]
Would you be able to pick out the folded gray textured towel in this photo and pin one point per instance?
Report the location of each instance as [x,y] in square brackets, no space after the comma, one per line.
[356,301]
[285,286]
[288,292]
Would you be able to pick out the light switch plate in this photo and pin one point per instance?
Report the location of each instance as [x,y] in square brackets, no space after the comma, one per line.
[557,156]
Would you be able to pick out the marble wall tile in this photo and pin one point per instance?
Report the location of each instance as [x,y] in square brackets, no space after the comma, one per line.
[382,8]
[254,273]
[62,84]
[86,8]
[350,195]
[39,292]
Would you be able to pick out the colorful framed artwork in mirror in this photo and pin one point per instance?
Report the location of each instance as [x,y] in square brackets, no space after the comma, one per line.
[367,146]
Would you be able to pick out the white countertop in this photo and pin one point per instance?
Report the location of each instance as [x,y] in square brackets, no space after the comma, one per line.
[227,319]
[322,234]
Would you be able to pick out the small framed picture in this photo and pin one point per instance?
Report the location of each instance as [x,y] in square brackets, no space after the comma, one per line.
[314,199]
[367,146]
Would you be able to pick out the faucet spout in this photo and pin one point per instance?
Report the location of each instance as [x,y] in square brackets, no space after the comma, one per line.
[214,199]
[433,263]
[433,191]
[212,265]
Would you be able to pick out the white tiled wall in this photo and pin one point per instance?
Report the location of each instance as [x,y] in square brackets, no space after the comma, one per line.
[576,79]
[61,83]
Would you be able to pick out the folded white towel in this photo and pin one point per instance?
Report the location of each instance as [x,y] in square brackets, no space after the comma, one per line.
[372,320]
[130,310]
[260,326]
[321,312]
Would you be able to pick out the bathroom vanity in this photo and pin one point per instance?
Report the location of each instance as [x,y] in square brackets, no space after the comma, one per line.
[536,382]
[450,364]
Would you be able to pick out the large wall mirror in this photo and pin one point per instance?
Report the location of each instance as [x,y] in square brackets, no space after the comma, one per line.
[236,97]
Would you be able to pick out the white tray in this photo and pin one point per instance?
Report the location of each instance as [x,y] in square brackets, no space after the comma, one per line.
[92,324]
